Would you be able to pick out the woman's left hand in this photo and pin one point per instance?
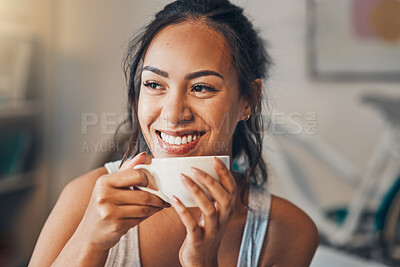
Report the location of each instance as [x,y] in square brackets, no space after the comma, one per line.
[203,237]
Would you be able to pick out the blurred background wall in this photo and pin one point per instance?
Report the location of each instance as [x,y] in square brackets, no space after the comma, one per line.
[79,80]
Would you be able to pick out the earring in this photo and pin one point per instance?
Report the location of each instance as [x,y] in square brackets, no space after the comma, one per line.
[247,118]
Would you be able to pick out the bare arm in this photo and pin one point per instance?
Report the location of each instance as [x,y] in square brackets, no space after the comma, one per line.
[291,238]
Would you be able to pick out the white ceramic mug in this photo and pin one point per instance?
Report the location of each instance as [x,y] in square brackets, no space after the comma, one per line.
[167,172]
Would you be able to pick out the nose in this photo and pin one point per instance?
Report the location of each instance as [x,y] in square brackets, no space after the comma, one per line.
[176,110]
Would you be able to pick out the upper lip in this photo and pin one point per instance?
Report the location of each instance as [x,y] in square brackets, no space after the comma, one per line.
[180,132]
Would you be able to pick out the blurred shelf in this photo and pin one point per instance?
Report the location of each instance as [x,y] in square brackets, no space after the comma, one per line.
[19,262]
[16,182]
[13,261]
[19,109]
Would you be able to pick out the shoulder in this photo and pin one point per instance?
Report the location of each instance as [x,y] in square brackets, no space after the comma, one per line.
[291,238]
[83,185]
[65,216]
[76,195]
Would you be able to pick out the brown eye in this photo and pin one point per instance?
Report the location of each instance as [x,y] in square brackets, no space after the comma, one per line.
[152,85]
[199,88]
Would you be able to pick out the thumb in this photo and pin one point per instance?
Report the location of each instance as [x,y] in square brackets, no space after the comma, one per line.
[136,160]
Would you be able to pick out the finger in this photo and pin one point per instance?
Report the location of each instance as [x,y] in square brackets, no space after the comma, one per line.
[138,159]
[125,178]
[151,181]
[135,211]
[136,197]
[215,188]
[192,227]
[226,178]
[209,213]
[224,199]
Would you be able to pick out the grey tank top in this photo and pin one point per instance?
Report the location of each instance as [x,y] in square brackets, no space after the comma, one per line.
[126,252]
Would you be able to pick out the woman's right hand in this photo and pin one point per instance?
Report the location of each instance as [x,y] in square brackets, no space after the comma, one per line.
[114,208]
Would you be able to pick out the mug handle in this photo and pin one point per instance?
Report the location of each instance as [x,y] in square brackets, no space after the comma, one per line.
[152,191]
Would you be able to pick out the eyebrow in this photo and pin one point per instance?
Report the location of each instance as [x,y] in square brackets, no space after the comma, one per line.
[203,73]
[190,76]
[156,71]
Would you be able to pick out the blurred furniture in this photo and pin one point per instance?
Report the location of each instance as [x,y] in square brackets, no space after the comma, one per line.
[331,257]
[20,152]
[370,224]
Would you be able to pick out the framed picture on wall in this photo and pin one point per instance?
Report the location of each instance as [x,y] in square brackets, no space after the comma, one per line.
[354,39]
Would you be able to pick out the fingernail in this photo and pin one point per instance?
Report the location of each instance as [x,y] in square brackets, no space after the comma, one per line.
[219,163]
[141,154]
[174,201]
[197,172]
[186,180]
[167,205]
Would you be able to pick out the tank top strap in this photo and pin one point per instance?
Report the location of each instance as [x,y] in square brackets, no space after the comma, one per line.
[113,166]
[126,252]
[255,227]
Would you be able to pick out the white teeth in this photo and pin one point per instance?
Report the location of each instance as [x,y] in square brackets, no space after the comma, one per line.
[178,140]
[171,140]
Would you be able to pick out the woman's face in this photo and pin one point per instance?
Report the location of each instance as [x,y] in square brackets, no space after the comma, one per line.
[189,102]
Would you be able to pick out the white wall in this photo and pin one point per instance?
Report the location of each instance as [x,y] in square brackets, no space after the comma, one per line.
[92,34]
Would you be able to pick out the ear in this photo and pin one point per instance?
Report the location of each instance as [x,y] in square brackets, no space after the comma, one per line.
[246,106]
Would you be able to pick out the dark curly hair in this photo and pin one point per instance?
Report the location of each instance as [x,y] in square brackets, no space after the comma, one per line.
[248,55]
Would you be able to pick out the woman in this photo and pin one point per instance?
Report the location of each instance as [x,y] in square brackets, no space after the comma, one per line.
[194,89]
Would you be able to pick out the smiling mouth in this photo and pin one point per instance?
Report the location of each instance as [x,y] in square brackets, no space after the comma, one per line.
[179,139]
[179,143]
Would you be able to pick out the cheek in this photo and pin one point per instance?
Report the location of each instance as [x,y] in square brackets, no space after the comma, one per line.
[223,120]
[143,112]
[148,111]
